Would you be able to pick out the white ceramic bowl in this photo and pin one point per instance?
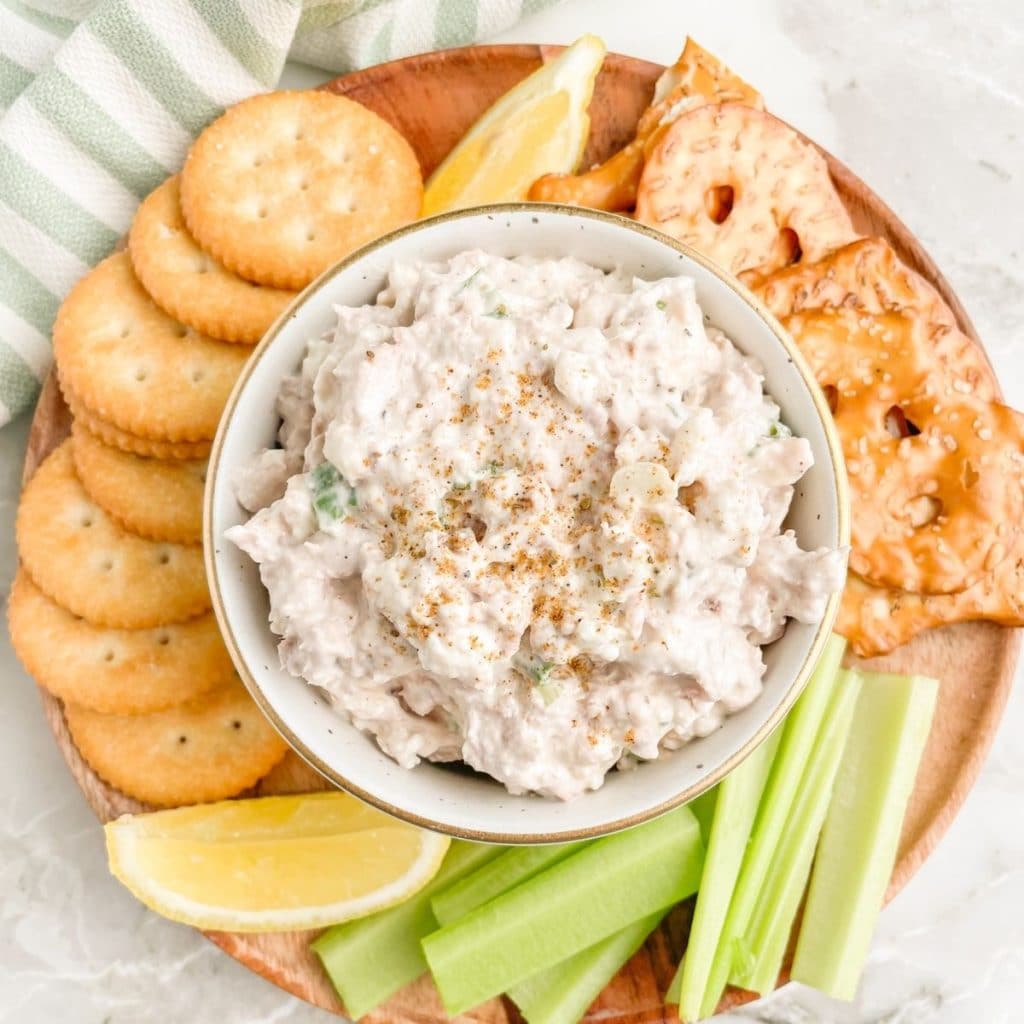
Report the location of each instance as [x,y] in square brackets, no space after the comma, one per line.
[440,798]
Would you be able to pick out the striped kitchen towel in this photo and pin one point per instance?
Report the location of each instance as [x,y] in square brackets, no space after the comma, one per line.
[99,100]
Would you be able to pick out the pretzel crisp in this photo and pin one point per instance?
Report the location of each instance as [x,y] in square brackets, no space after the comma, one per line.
[743,188]
[898,372]
[876,620]
[853,353]
[892,358]
[928,464]
[937,509]
[608,186]
[868,278]
[695,79]
[866,275]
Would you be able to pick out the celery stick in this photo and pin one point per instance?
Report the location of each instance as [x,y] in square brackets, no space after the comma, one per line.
[795,744]
[703,808]
[370,959]
[739,795]
[497,876]
[594,893]
[771,923]
[674,993]
[862,830]
[562,993]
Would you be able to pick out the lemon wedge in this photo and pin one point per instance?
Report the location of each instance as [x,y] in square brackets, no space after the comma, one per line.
[540,126]
[272,864]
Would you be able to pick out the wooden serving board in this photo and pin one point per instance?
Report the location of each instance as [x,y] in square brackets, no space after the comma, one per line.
[432,99]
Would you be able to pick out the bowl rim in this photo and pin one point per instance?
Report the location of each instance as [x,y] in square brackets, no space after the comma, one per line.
[795,686]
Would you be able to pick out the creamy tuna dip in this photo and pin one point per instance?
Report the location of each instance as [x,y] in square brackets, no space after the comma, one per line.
[528,514]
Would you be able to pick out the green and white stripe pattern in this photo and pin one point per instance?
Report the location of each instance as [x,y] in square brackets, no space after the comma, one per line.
[100,99]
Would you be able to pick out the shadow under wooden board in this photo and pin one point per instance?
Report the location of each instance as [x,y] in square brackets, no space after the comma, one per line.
[432,99]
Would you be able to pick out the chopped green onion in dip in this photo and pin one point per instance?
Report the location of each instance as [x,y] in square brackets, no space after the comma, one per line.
[332,497]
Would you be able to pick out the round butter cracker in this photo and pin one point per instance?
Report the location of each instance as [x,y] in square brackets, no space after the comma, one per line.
[136,367]
[283,185]
[80,558]
[191,285]
[209,749]
[114,671]
[114,437]
[161,499]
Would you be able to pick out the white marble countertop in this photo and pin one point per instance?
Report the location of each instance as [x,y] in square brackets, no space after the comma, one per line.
[925,100]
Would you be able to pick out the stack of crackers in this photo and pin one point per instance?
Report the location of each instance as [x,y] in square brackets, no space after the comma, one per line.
[935,462]
[110,609]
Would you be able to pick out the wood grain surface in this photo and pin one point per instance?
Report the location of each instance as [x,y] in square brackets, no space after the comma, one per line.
[432,99]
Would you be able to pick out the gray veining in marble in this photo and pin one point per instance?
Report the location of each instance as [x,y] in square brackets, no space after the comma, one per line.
[925,100]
